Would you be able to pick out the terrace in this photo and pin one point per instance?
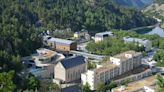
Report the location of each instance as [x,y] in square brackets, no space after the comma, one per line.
[45,57]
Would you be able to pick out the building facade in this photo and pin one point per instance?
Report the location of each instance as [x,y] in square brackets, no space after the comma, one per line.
[101,36]
[59,44]
[135,77]
[70,69]
[118,65]
[127,61]
[102,74]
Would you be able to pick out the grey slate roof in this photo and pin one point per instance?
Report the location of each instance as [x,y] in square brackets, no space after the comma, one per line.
[73,61]
[61,41]
[131,39]
[104,33]
[57,40]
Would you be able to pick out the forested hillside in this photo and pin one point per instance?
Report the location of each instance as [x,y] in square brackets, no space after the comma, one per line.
[77,14]
[21,22]
[18,37]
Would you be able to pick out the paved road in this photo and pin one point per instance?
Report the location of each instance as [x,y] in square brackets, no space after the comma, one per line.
[98,57]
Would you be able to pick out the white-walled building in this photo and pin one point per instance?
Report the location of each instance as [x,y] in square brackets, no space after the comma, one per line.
[127,61]
[101,74]
[117,65]
[101,36]
[146,43]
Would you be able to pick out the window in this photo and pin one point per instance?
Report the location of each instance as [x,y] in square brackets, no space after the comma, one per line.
[78,71]
[68,75]
[51,44]
[45,42]
[41,59]
[83,69]
[71,76]
[74,74]
[105,35]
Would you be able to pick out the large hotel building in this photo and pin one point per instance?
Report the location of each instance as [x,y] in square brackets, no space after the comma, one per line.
[118,65]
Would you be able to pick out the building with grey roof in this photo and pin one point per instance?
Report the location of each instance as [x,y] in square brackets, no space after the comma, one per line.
[60,41]
[73,61]
[59,44]
[70,69]
[101,36]
[146,43]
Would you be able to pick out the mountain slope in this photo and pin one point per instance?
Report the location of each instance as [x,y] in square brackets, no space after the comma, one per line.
[156,10]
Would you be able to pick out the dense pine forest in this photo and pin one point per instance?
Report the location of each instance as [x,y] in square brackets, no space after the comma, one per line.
[21,22]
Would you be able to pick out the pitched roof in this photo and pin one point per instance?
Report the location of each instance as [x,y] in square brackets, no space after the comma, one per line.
[131,39]
[61,41]
[57,40]
[73,61]
[104,33]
